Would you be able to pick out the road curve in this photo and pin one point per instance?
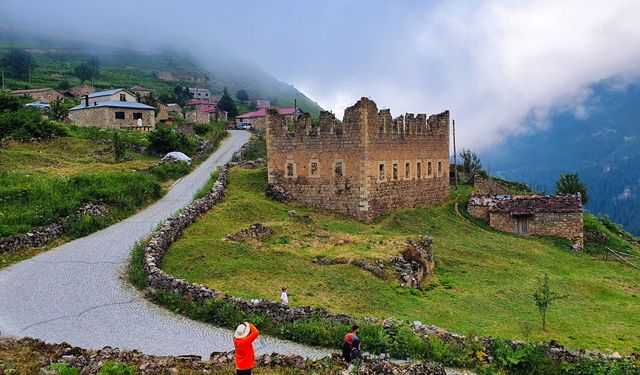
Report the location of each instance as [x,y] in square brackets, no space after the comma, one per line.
[76,292]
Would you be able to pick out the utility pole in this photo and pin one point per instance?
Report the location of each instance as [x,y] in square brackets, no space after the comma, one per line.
[455,155]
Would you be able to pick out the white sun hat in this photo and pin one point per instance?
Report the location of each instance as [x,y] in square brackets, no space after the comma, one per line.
[242,331]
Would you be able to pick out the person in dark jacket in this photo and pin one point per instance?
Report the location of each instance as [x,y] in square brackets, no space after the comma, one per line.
[351,345]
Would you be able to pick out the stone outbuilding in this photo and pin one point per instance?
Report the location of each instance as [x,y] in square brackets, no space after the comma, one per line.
[116,108]
[46,94]
[545,215]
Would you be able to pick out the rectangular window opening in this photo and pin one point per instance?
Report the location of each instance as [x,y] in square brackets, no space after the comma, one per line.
[418,170]
[381,175]
[407,170]
[395,171]
[137,115]
[338,169]
[119,115]
[313,168]
[289,169]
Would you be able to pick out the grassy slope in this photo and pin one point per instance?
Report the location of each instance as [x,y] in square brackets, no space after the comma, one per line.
[482,284]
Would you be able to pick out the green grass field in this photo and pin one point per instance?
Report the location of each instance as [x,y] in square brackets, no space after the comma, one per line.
[482,284]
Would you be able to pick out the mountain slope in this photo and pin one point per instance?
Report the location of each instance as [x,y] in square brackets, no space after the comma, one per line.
[160,70]
[603,147]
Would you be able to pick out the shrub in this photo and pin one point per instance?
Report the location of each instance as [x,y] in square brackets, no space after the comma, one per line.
[170,171]
[165,139]
[136,267]
[63,369]
[113,367]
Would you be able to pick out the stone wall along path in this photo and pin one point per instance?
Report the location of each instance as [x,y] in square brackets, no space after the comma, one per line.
[76,292]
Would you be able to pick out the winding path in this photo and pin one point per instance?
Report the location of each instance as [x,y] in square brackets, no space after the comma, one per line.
[75,293]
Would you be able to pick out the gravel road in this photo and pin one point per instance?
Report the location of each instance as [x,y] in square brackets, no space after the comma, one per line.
[76,292]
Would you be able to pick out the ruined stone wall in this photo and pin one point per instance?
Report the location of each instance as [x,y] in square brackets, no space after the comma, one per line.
[414,153]
[328,145]
[479,212]
[304,159]
[104,117]
[558,224]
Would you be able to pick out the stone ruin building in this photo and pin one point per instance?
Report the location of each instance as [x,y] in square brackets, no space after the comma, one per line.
[363,166]
[559,215]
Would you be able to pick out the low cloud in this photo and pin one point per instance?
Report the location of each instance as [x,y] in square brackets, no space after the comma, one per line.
[496,65]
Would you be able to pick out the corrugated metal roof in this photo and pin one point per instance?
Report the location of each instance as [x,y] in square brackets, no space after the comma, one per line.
[114,104]
[105,93]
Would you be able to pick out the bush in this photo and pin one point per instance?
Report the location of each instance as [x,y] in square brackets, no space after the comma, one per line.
[257,149]
[164,139]
[27,123]
[63,369]
[113,367]
[136,267]
[170,171]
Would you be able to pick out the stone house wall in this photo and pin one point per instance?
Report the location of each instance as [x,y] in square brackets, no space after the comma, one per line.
[115,97]
[47,95]
[480,212]
[557,224]
[305,160]
[104,117]
[197,117]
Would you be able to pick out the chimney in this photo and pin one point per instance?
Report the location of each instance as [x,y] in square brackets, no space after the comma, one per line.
[86,100]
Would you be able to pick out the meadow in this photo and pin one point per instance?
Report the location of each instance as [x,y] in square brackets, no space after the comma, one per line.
[482,284]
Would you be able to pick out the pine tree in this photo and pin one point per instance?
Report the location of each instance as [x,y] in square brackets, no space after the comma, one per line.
[227,104]
[569,184]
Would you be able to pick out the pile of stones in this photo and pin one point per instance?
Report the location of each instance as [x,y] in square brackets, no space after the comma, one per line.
[415,262]
[278,193]
[255,231]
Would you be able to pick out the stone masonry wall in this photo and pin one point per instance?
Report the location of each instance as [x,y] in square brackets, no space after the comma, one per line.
[566,225]
[104,117]
[304,160]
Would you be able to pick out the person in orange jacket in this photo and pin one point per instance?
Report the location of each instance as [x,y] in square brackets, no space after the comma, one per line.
[243,339]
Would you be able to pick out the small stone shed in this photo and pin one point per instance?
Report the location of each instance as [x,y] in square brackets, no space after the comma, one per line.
[557,215]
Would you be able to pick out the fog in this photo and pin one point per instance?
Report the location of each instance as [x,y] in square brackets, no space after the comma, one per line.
[500,67]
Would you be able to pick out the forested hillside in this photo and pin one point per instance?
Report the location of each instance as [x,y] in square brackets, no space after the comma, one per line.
[603,146]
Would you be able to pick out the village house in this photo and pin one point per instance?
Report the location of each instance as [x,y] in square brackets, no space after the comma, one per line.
[257,118]
[142,91]
[200,93]
[361,167]
[559,215]
[80,91]
[201,111]
[116,108]
[46,94]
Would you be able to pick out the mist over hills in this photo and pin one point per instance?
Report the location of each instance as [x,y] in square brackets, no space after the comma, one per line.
[126,66]
[601,142]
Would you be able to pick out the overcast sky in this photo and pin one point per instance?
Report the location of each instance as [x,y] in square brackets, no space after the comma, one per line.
[492,63]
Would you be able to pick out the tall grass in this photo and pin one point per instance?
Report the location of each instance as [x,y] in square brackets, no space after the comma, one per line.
[28,201]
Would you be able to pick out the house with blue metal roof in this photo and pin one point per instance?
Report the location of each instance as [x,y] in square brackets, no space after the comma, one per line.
[115,108]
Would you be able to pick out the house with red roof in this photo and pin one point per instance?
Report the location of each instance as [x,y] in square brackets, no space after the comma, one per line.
[200,111]
[257,118]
